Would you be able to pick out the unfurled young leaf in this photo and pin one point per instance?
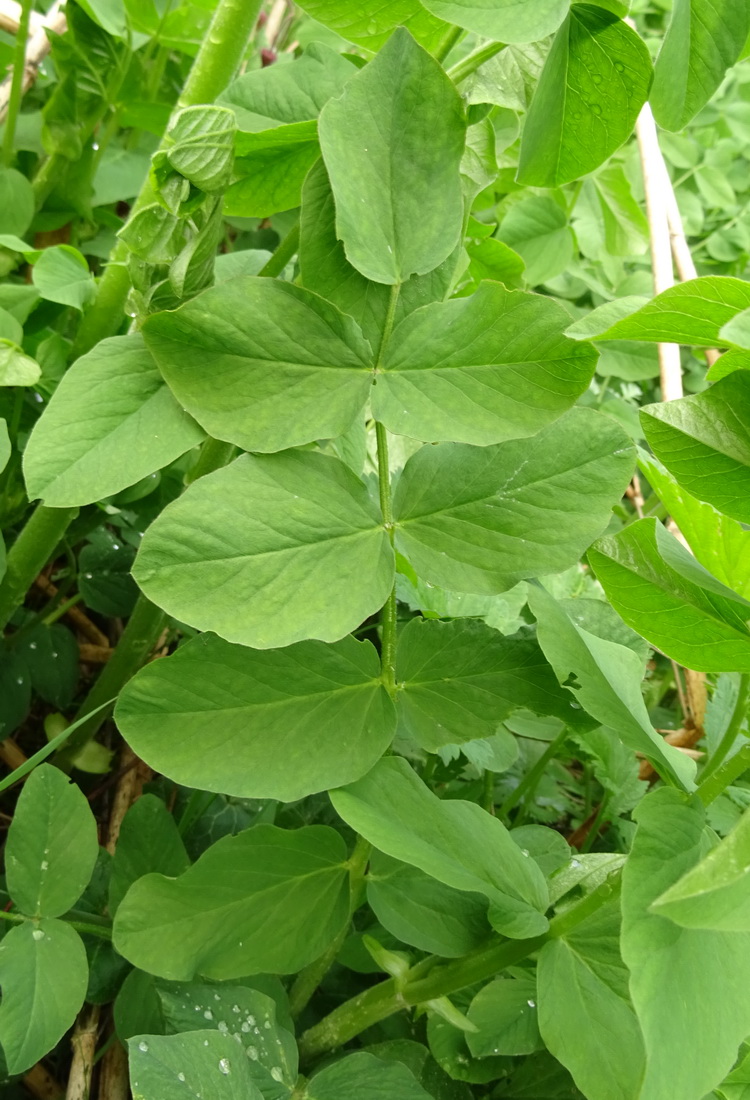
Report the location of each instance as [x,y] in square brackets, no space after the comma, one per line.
[199,146]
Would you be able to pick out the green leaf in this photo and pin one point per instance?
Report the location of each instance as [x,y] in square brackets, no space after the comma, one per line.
[505,1015]
[280,724]
[689,313]
[52,658]
[306,557]
[62,275]
[199,145]
[505,20]
[720,544]
[493,259]
[625,225]
[17,202]
[701,43]
[5,444]
[606,678]
[43,975]
[593,85]
[482,369]
[537,229]
[267,900]
[737,330]
[660,590]
[148,841]
[392,142]
[456,842]
[104,579]
[369,23]
[366,1077]
[583,991]
[714,894]
[673,969]
[10,329]
[423,912]
[704,441]
[286,367]
[271,166]
[281,94]
[17,369]
[110,423]
[474,519]
[193,1064]
[459,680]
[52,845]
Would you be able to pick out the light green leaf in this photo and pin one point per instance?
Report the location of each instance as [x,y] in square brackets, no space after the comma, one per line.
[286,367]
[190,1065]
[369,23]
[689,313]
[10,329]
[606,679]
[482,369]
[5,444]
[737,330]
[593,85]
[199,145]
[714,894]
[148,841]
[625,225]
[493,259]
[392,142]
[473,519]
[456,842]
[458,681]
[423,912]
[52,845]
[43,976]
[701,43]
[704,441]
[583,991]
[505,20]
[110,423]
[599,320]
[537,229]
[271,166]
[660,590]
[17,202]
[505,1015]
[629,360]
[366,1077]
[16,368]
[282,94]
[720,544]
[280,724]
[508,79]
[673,969]
[306,556]
[265,901]
[62,275]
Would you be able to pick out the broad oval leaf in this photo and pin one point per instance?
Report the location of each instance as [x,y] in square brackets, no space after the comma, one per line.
[482,369]
[52,844]
[702,42]
[593,85]
[148,841]
[474,519]
[62,275]
[659,589]
[366,1077]
[369,23]
[537,229]
[110,423]
[456,842]
[505,1016]
[458,681]
[280,724]
[191,1064]
[391,142]
[266,900]
[505,20]
[304,556]
[286,367]
[704,440]
[43,976]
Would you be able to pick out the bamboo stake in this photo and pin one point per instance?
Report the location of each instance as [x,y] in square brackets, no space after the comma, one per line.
[36,51]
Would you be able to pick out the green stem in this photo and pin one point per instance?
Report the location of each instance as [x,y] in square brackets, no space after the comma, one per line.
[528,784]
[308,980]
[451,37]
[219,56]
[596,824]
[717,783]
[732,730]
[85,925]
[433,978]
[475,60]
[29,554]
[389,613]
[138,639]
[283,254]
[16,87]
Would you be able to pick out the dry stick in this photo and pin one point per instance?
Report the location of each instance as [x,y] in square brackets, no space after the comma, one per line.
[10,17]
[36,51]
[41,1084]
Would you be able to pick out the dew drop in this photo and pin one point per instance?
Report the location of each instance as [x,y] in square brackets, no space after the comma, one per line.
[223,1028]
[45,865]
[276,1073]
[252,1052]
[32,645]
[531,1004]
[208,1014]
[143,1046]
[251,1021]
[180,1076]
[267,1025]
[245,1027]
[619,66]
[38,934]
[224,1065]
[524,852]
[236,1008]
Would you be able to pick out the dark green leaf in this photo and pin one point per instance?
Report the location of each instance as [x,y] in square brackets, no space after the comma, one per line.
[148,841]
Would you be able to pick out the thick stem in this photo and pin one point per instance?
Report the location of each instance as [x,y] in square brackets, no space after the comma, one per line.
[283,254]
[29,554]
[732,730]
[218,58]
[16,88]
[389,614]
[725,776]
[528,784]
[451,37]
[474,61]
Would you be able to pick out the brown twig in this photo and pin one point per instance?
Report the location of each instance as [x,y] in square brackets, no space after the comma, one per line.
[84,1049]
[11,754]
[41,1084]
[77,617]
[95,654]
[37,49]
